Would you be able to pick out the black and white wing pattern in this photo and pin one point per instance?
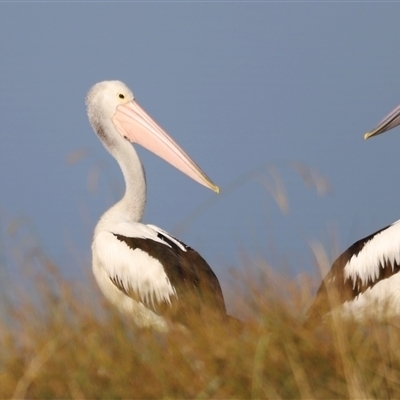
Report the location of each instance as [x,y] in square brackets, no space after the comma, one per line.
[162,273]
[363,277]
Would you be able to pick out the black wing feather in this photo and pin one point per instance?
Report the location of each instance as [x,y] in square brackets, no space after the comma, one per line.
[196,284]
[335,289]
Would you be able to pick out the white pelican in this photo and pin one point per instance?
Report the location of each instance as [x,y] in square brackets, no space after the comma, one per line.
[364,280]
[141,269]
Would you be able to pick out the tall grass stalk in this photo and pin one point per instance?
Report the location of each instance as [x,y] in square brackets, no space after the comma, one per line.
[69,343]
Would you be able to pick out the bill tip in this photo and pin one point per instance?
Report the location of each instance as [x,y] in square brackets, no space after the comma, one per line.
[216,189]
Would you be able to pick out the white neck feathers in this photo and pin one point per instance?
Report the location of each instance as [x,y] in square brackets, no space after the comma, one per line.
[132,204]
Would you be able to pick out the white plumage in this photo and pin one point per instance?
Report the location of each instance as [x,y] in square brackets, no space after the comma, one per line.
[382,250]
[141,268]
[380,302]
[148,279]
[364,281]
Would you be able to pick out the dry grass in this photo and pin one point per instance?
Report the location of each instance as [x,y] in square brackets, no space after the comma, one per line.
[67,343]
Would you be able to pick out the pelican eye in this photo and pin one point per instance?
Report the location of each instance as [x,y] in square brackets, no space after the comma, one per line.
[121,96]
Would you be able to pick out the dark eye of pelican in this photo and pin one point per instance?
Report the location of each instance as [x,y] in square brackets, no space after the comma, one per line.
[121,96]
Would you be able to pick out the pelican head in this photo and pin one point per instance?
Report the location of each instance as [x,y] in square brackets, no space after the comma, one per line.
[390,121]
[116,117]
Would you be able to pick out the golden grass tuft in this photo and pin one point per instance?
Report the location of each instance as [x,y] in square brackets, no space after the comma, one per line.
[68,343]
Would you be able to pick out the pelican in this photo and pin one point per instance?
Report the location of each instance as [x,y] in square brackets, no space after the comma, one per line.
[364,281]
[141,269]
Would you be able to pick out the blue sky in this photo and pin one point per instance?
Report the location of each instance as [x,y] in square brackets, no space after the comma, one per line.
[242,87]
